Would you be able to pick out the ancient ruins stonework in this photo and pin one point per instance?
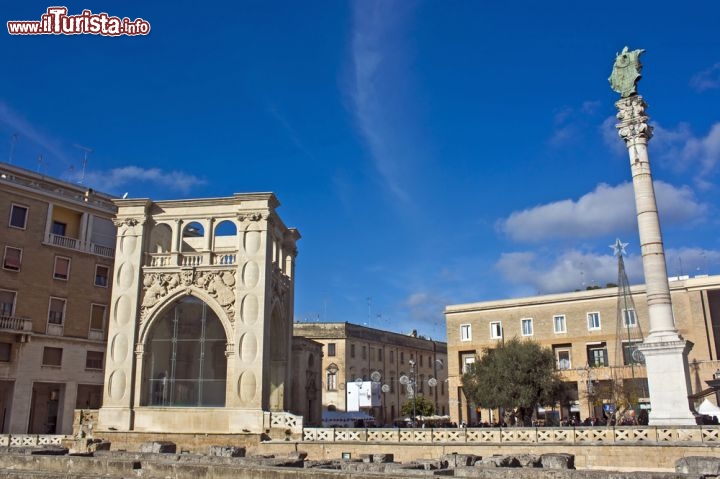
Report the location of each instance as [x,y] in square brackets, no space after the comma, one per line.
[201,316]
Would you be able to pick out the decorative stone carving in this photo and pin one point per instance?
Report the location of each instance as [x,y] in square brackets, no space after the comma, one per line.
[218,284]
[633,124]
[280,285]
[125,222]
[250,216]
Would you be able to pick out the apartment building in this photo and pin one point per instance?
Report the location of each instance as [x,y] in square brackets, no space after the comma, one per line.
[591,350]
[57,241]
[358,353]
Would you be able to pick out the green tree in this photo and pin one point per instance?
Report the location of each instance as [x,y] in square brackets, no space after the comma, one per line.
[423,407]
[515,375]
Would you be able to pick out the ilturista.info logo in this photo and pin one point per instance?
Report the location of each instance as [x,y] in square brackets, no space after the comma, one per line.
[56,21]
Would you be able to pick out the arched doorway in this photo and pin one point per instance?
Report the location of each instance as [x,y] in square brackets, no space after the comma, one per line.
[185,363]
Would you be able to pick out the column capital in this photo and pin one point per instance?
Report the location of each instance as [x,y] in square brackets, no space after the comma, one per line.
[633,126]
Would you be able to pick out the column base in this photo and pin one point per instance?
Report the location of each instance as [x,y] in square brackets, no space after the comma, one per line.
[668,382]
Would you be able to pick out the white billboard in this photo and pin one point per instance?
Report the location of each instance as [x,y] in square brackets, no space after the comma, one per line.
[362,395]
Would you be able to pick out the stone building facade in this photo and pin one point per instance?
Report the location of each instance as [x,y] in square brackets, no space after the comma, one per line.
[353,352]
[57,242]
[200,328]
[582,329]
[306,386]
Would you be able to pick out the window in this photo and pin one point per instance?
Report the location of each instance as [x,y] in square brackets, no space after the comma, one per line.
[559,322]
[58,228]
[94,360]
[527,326]
[101,275]
[331,379]
[7,303]
[392,356]
[12,258]
[597,355]
[352,350]
[364,352]
[5,352]
[466,359]
[97,317]
[56,312]
[593,320]
[496,331]
[62,268]
[392,384]
[421,359]
[562,356]
[331,349]
[52,356]
[402,357]
[629,318]
[380,354]
[465,332]
[631,353]
[18,216]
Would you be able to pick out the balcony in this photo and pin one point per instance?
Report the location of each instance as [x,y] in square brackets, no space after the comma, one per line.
[14,324]
[77,245]
[190,260]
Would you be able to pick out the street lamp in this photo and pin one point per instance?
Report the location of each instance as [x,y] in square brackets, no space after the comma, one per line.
[409,383]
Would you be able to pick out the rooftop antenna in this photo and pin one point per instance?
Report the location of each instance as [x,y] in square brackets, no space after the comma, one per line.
[41,162]
[369,303]
[13,140]
[86,152]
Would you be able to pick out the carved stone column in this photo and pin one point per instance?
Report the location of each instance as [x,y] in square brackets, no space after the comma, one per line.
[665,351]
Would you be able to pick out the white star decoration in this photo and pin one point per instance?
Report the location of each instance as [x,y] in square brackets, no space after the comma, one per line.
[619,248]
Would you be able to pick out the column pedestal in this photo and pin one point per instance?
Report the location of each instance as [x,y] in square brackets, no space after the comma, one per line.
[668,381]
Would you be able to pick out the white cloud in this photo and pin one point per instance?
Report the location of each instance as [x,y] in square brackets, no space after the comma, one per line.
[678,148]
[706,151]
[378,83]
[607,210]
[675,148]
[28,132]
[692,261]
[572,270]
[570,122]
[708,79]
[117,178]
[575,270]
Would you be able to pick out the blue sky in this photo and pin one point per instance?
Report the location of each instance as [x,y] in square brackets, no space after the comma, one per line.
[430,152]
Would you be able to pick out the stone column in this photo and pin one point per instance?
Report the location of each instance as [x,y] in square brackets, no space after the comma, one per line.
[665,351]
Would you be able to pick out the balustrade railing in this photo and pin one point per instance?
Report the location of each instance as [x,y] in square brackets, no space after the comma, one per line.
[30,440]
[77,245]
[194,259]
[518,435]
[14,323]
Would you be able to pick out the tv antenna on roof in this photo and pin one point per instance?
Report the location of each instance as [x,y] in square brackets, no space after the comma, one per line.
[41,163]
[86,152]
[13,140]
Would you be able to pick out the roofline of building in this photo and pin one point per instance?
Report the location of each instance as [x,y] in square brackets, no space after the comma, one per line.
[39,183]
[695,283]
[346,326]
[237,199]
